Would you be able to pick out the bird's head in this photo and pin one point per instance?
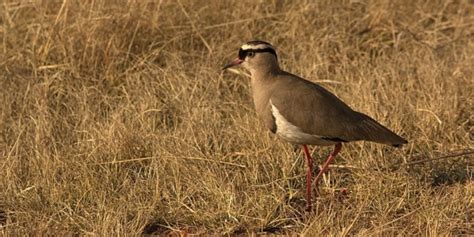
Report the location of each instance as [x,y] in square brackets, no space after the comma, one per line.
[256,55]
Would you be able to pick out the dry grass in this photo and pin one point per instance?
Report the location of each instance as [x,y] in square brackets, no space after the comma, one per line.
[116,118]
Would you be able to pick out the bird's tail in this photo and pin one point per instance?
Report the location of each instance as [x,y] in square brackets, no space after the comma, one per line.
[371,130]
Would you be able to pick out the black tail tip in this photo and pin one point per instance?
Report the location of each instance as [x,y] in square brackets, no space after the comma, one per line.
[400,144]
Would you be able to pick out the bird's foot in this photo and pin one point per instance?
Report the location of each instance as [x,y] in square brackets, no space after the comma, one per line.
[342,194]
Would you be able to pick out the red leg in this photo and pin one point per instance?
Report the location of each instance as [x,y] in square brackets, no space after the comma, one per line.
[331,157]
[309,177]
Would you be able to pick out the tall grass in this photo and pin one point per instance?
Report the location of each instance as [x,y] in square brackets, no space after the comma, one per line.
[115,118]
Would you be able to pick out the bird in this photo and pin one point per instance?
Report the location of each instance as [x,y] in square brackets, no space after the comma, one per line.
[302,112]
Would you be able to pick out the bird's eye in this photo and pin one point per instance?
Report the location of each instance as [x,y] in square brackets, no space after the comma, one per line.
[250,54]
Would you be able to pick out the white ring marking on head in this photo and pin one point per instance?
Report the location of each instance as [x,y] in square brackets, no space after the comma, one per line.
[258,46]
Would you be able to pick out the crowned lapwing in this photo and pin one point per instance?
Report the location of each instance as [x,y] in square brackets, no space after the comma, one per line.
[302,112]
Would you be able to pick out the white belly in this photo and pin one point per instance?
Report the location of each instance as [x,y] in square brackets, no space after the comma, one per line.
[294,134]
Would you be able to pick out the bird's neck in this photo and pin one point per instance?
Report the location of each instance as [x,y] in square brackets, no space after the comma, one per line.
[266,72]
[262,82]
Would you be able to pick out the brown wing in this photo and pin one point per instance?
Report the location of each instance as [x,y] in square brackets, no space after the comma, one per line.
[322,113]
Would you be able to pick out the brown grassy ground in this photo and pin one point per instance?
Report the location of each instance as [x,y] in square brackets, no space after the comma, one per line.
[116,118]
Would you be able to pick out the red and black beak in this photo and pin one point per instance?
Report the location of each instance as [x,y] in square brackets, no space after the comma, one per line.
[236,62]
